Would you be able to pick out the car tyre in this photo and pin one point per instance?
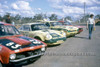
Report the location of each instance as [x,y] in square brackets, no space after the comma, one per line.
[2,65]
[38,38]
[73,35]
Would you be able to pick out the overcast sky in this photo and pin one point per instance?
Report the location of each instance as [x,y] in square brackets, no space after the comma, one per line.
[29,8]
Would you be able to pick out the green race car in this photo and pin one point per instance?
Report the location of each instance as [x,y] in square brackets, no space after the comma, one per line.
[42,32]
[69,30]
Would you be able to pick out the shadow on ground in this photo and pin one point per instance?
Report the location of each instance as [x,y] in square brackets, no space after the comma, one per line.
[81,37]
[49,46]
[28,62]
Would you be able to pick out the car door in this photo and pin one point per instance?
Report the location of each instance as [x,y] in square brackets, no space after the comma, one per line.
[21,30]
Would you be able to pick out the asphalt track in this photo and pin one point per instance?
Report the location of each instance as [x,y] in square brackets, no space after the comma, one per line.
[76,51]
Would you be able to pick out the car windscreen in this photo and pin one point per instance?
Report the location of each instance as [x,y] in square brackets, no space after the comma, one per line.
[67,23]
[8,30]
[39,27]
[56,23]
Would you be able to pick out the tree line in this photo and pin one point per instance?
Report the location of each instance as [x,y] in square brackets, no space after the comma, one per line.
[18,19]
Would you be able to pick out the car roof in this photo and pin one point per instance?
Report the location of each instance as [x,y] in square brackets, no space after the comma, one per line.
[60,21]
[49,21]
[3,23]
[32,23]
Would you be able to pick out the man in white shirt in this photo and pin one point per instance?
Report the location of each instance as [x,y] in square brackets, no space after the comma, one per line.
[90,25]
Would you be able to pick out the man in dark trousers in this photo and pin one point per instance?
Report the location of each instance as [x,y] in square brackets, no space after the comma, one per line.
[8,20]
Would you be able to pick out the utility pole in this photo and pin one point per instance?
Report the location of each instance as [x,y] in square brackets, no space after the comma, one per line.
[84,11]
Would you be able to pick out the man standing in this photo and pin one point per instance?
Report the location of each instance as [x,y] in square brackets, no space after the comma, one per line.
[8,20]
[90,25]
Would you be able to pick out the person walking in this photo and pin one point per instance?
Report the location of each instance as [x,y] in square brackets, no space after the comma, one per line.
[8,20]
[91,25]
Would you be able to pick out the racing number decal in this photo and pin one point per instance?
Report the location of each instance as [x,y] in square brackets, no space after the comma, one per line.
[35,41]
[12,45]
[16,46]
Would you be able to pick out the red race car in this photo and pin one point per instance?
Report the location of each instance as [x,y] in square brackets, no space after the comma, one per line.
[16,48]
[69,24]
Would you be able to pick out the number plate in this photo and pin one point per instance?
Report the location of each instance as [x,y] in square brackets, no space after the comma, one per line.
[60,41]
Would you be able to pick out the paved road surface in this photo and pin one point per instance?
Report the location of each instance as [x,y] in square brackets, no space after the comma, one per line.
[77,51]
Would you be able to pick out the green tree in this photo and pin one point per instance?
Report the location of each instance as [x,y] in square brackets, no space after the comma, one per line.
[1,18]
[68,18]
[53,17]
[17,17]
[97,16]
[38,17]
[84,18]
[45,16]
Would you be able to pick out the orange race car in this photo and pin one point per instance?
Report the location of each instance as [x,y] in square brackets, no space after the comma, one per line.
[16,48]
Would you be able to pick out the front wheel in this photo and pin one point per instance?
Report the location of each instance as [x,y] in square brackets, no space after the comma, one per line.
[38,38]
[73,35]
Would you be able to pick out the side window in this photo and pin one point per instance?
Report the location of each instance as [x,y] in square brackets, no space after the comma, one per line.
[2,31]
[53,24]
[36,27]
[21,28]
[26,28]
[47,24]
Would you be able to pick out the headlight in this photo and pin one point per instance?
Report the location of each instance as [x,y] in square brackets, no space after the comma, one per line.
[48,37]
[12,56]
[63,33]
[43,49]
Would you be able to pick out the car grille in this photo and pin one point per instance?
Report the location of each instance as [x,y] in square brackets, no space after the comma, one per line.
[28,53]
[55,35]
[72,30]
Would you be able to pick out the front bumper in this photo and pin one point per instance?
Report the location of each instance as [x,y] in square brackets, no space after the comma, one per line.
[55,41]
[26,58]
[27,55]
[80,30]
[71,33]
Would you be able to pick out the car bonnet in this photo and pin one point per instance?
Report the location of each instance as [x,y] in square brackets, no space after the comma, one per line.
[71,28]
[14,43]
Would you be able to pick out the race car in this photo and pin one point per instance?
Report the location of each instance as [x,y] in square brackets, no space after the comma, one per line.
[97,22]
[66,23]
[16,48]
[55,25]
[42,32]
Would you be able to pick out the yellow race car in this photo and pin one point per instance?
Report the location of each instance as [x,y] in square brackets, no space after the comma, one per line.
[42,32]
[55,25]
